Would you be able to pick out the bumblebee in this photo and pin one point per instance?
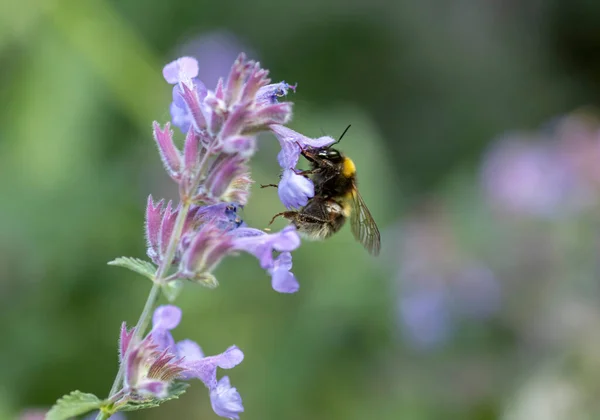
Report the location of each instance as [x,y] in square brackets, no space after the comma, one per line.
[336,199]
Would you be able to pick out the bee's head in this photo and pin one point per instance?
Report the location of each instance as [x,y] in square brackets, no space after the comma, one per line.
[330,154]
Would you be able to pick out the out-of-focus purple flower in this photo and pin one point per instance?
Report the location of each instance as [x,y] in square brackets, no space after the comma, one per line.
[225,400]
[440,285]
[425,318]
[294,190]
[529,177]
[217,50]
[475,291]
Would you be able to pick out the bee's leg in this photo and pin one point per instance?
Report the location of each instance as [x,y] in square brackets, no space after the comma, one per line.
[304,173]
[286,214]
[268,185]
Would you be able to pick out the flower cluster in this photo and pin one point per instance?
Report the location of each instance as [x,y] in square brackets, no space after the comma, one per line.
[153,363]
[189,239]
[213,175]
[548,174]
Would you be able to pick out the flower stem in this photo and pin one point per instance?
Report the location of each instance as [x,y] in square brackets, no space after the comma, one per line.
[144,319]
[161,275]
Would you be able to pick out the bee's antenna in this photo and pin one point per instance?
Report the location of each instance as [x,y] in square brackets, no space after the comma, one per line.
[340,139]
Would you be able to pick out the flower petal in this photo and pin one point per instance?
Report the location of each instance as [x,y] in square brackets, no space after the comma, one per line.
[190,350]
[206,369]
[294,190]
[180,69]
[166,317]
[282,279]
[225,400]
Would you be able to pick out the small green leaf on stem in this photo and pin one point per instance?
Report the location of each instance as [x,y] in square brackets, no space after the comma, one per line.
[142,267]
[73,404]
[175,391]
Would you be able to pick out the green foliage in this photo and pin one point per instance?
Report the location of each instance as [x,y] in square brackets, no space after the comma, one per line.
[73,404]
[175,391]
[142,267]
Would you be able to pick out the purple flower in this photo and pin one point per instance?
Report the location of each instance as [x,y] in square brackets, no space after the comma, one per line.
[188,93]
[235,111]
[225,400]
[153,363]
[148,370]
[521,176]
[272,92]
[425,318]
[294,190]
[192,359]
[283,280]
[292,144]
[262,246]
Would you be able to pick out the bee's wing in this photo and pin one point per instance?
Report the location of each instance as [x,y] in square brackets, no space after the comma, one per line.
[363,226]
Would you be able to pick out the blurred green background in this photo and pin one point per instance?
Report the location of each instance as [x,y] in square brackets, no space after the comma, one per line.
[485,301]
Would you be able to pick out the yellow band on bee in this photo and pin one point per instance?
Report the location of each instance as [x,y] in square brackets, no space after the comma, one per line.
[348,168]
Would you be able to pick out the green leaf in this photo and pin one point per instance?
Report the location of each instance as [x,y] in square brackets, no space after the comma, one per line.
[175,391]
[172,289]
[73,404]
[142,267]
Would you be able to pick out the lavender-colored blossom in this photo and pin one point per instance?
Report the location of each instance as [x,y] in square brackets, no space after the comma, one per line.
[529,177]
[425,317]
[294,190]
[234,112]
[262,245]
[272,92]
[225,400]
[157,360]
[283,280]
[187,92]
[440,285]
[148,370]
[192,359]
